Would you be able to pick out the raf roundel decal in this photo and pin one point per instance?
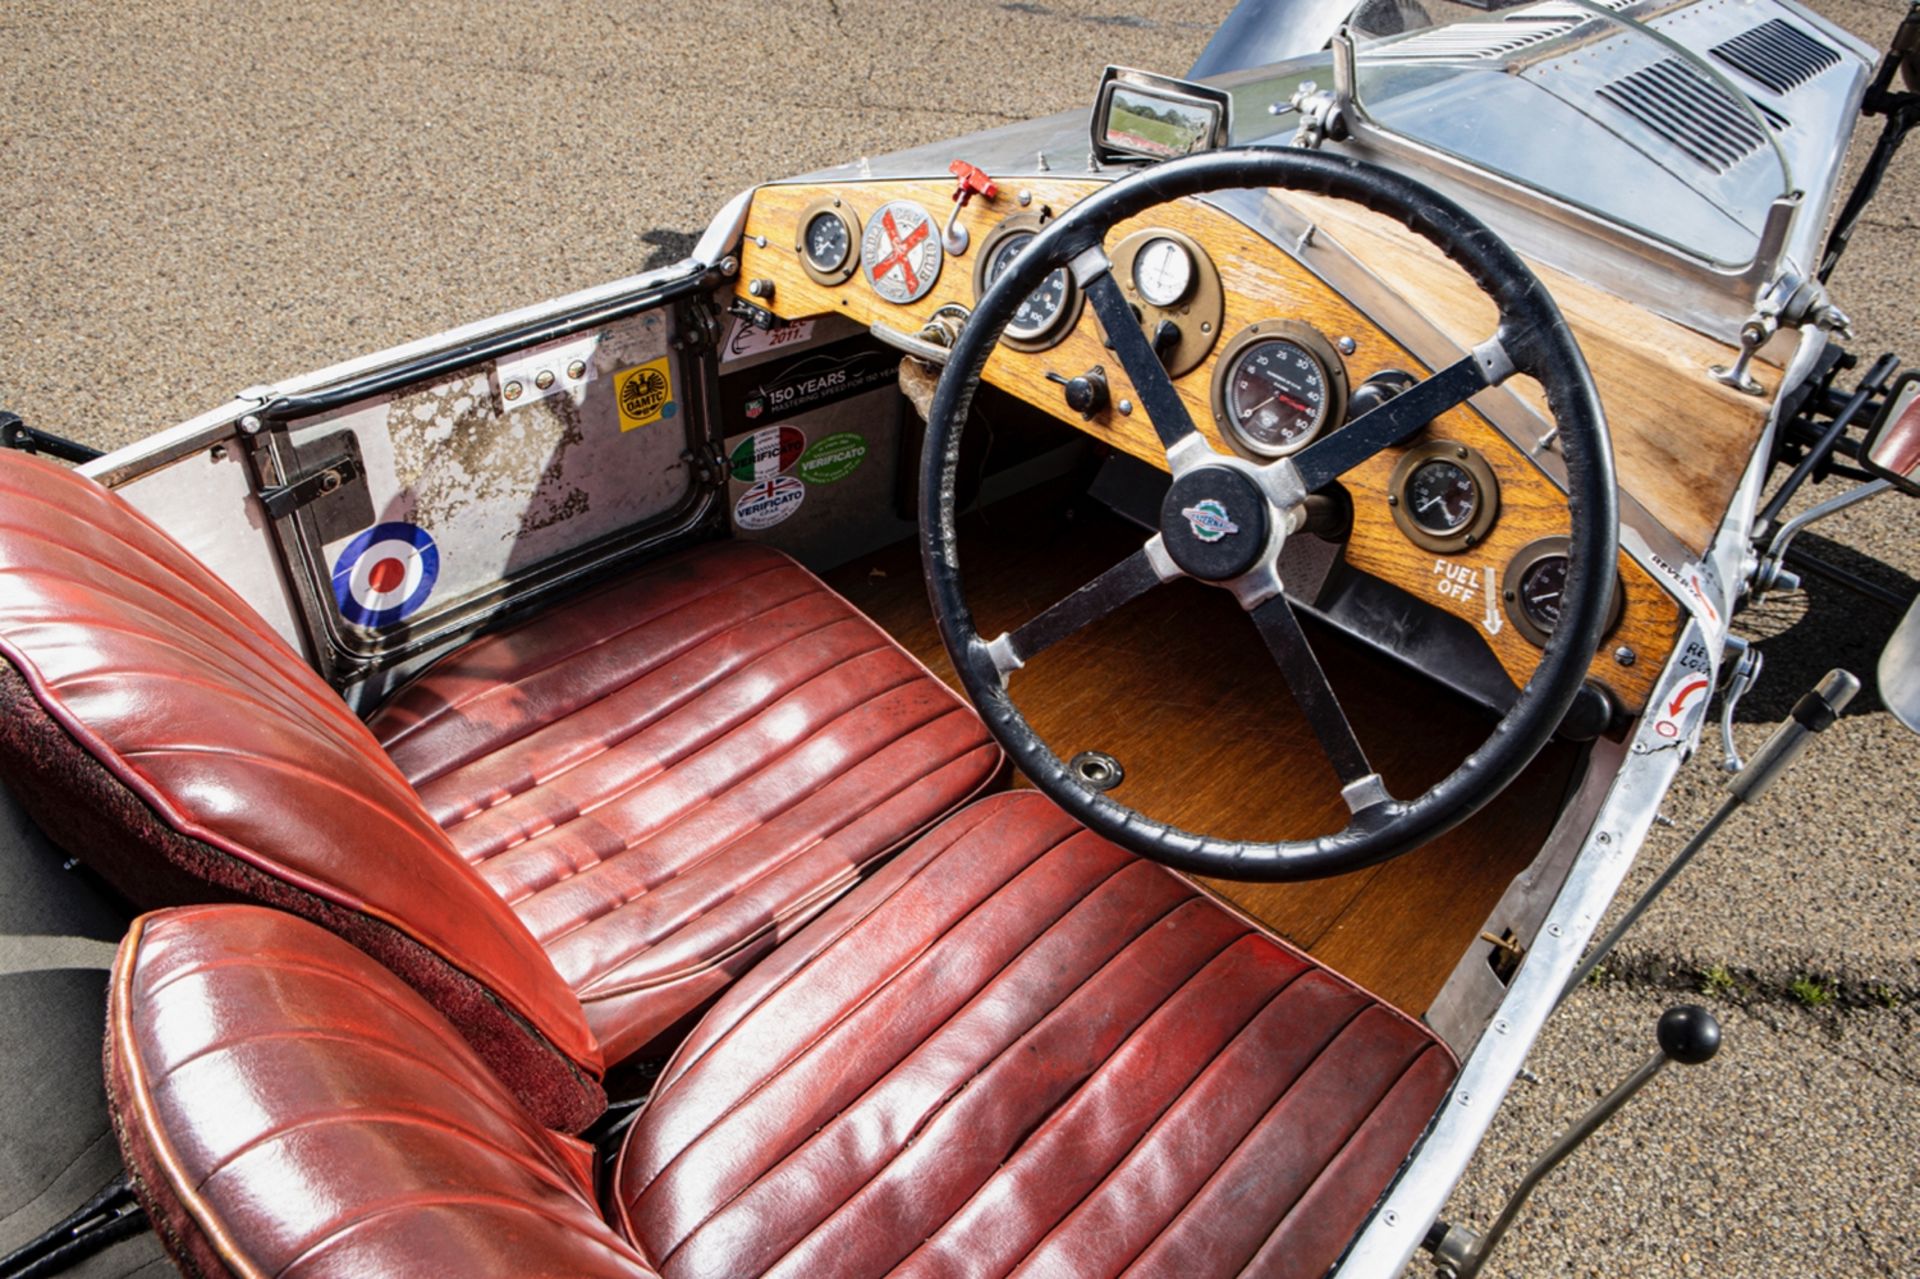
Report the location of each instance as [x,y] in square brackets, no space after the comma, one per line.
[385,574]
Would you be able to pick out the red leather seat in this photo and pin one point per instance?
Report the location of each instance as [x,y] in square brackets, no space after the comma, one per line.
[1014,1049]
[661,779]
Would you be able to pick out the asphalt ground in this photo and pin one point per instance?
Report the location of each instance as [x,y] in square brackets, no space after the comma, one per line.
[197,198]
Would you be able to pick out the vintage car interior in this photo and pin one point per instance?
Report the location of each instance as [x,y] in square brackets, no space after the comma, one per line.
[1063,702]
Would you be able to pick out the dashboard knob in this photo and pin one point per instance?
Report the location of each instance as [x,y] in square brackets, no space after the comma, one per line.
[1087,394]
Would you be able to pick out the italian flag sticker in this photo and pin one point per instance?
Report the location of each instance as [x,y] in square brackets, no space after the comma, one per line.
[766,453]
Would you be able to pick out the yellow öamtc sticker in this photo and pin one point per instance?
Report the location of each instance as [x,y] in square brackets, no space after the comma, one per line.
[644,394]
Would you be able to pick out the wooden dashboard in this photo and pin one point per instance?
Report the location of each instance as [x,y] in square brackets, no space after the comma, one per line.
[1261,284]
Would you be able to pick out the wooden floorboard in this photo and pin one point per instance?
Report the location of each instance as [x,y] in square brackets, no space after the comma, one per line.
[1178,687]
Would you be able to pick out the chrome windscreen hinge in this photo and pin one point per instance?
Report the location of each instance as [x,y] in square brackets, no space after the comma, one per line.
[1789,301]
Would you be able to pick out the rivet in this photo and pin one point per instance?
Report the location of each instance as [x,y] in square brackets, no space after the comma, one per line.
[1553,930]
[543,379]
[1392,500]
[577,370]
[1206,326]
[1465,1099]
[250,424]
[511,390]
[1500,1026]
[1460,450]
[1391,1217]
[1606,837]
[1347,346]
[1025,198]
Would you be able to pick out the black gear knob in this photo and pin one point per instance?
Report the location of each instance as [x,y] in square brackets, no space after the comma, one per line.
[1688,1034]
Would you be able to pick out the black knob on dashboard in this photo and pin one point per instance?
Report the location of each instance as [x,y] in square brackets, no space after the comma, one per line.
[1688,1034]
[1087,394]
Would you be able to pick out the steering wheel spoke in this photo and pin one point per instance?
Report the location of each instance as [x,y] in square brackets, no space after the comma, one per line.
[1125,582]
[1399,418]
[1360,785]
[1161,403]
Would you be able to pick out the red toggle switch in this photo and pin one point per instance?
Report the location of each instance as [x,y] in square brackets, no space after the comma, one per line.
[973,181]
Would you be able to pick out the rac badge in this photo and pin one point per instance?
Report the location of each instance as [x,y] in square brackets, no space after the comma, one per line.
[1209,520]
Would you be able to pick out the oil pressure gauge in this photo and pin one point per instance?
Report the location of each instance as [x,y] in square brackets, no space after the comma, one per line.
[1049,312]
[1443,496]
[825,237]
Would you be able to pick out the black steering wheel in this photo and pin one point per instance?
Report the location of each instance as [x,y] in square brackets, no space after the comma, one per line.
[1225,519]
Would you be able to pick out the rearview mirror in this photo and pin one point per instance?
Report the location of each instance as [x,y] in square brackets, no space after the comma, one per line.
[1893,448]
[1142,116]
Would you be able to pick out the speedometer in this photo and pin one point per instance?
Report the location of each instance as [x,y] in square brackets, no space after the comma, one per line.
[1045,314]
[1278,386]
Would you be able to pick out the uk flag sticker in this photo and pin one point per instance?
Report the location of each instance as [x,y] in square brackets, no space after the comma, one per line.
[385,574]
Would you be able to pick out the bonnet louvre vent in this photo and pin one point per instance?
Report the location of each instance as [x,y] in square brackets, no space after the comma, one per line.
[1777,54]
[1473,40]
[1688,110]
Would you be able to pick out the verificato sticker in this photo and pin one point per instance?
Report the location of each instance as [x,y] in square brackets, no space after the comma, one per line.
[833,458]
[766,453]
[769,502]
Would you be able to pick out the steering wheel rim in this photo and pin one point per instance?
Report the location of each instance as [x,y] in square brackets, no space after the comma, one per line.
[1531,337]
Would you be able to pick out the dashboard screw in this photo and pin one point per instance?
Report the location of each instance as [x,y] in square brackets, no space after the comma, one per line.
[1025,198]
[1125,407]
[1347,346]
[1625,656]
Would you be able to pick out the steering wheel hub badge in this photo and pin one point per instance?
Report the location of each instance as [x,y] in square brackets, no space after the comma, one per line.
[1214,522]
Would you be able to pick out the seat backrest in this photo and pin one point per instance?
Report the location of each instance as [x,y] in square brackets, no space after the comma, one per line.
[286,1106]
[157,729]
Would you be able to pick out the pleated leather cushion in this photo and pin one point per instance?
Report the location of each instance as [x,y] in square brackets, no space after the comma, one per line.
[287,1107]
[159,730]
[1018,1049]
[669,775]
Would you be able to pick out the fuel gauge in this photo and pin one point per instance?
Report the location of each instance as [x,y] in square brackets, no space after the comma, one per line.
[1444,496]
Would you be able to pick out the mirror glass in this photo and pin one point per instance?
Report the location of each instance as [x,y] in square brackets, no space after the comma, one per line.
[1895,451]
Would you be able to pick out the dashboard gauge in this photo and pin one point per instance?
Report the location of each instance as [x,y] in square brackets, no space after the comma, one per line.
[1174,287]
[1277,387]
[1541,588]
[901,252]
[1536,589]
[824,237]
[1443,496]
[1046,314]
[829,241]
[1163,271]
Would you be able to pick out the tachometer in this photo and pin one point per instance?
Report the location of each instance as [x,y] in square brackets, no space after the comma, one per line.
[1044,315]
[1276,387]
[824,237]
[1443,495]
